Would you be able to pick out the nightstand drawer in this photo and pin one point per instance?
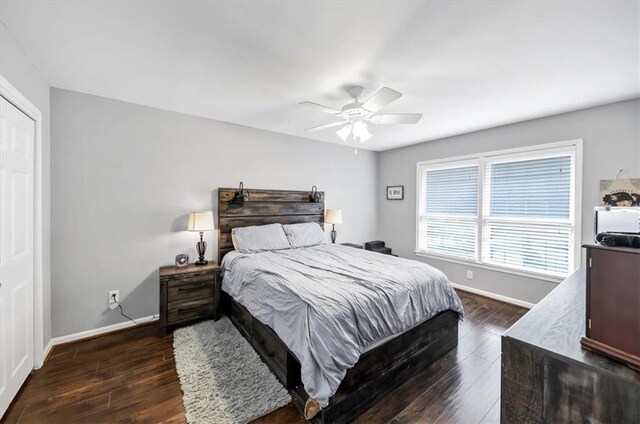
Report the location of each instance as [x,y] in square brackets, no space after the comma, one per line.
[189,311]
[201,288]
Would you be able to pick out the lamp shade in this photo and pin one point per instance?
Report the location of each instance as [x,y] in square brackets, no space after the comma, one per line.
[201,221]
[333,216]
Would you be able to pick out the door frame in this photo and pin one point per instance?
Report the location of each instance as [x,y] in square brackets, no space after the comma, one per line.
[13,96]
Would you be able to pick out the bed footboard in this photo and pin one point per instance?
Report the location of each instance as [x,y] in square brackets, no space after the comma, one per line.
[377,373]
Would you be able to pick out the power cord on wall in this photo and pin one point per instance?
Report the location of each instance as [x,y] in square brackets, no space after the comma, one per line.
[113,296]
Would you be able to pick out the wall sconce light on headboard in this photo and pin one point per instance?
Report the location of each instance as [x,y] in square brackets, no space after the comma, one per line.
[315,196]
[241,195]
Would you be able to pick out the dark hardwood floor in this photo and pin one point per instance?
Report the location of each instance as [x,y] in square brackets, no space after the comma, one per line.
[130,376]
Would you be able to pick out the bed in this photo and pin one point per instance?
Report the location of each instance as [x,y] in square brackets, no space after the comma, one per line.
[339,327]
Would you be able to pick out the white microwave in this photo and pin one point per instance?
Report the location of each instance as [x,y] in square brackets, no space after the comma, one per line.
[608,219]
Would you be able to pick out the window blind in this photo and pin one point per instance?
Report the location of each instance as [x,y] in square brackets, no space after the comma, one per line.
[527,213]
[449,210]
[524,217]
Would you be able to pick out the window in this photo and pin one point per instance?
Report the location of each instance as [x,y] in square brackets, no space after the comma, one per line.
[508,209]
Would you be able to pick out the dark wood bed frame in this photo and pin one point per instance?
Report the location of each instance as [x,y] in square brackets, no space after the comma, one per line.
[379,370]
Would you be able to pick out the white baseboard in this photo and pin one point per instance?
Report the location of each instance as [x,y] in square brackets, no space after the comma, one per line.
[490,295]
[96,332]
[47,351]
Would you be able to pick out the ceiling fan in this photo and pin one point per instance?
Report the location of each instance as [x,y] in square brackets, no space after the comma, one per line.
[355,117]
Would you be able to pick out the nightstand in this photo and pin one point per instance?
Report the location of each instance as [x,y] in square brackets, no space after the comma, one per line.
[189,294]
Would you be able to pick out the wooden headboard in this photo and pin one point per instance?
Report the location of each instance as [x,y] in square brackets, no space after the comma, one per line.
[264,207]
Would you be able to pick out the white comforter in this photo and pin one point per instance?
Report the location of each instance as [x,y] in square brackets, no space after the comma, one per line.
[329,302]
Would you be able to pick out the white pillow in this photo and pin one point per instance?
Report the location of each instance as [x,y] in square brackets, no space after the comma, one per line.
[260,238]
[305,234]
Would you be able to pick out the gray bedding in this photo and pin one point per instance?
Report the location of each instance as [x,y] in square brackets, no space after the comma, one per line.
[329,303]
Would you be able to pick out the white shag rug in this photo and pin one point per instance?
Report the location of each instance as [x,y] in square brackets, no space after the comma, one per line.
[223,379]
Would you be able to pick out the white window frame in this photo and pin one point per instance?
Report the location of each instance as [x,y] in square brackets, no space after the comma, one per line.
[529,152]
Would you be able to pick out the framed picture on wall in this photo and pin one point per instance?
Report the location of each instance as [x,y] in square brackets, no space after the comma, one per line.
[395,192]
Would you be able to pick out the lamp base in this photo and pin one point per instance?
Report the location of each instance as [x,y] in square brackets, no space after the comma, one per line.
[333,234]
[201,248]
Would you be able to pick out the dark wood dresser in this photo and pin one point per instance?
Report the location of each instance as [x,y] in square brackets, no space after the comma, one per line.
[548,378]
[189,294]
[613,303]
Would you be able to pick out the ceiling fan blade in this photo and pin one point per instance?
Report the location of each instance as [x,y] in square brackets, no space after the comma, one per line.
[325,109]
[322,127]
[383,97]
[397,118]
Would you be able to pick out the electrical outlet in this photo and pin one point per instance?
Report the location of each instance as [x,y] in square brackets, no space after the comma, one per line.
[113,303]
[469,275]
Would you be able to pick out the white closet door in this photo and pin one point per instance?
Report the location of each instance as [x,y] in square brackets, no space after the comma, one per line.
[16,250]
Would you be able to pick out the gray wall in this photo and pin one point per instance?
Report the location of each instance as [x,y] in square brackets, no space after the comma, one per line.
[18,70]
[611,141]
[125,176]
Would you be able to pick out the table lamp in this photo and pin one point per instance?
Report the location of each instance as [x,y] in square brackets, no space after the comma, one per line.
[201,222]
[333,217]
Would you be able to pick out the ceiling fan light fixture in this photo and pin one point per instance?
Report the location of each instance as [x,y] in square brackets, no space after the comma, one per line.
[344,132]
[361,131]
[359,127]
[365,136]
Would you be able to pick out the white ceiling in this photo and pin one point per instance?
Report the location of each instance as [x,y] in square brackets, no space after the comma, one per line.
[464,65]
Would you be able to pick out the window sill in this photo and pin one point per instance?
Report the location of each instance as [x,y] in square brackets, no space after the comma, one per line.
[497,268]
